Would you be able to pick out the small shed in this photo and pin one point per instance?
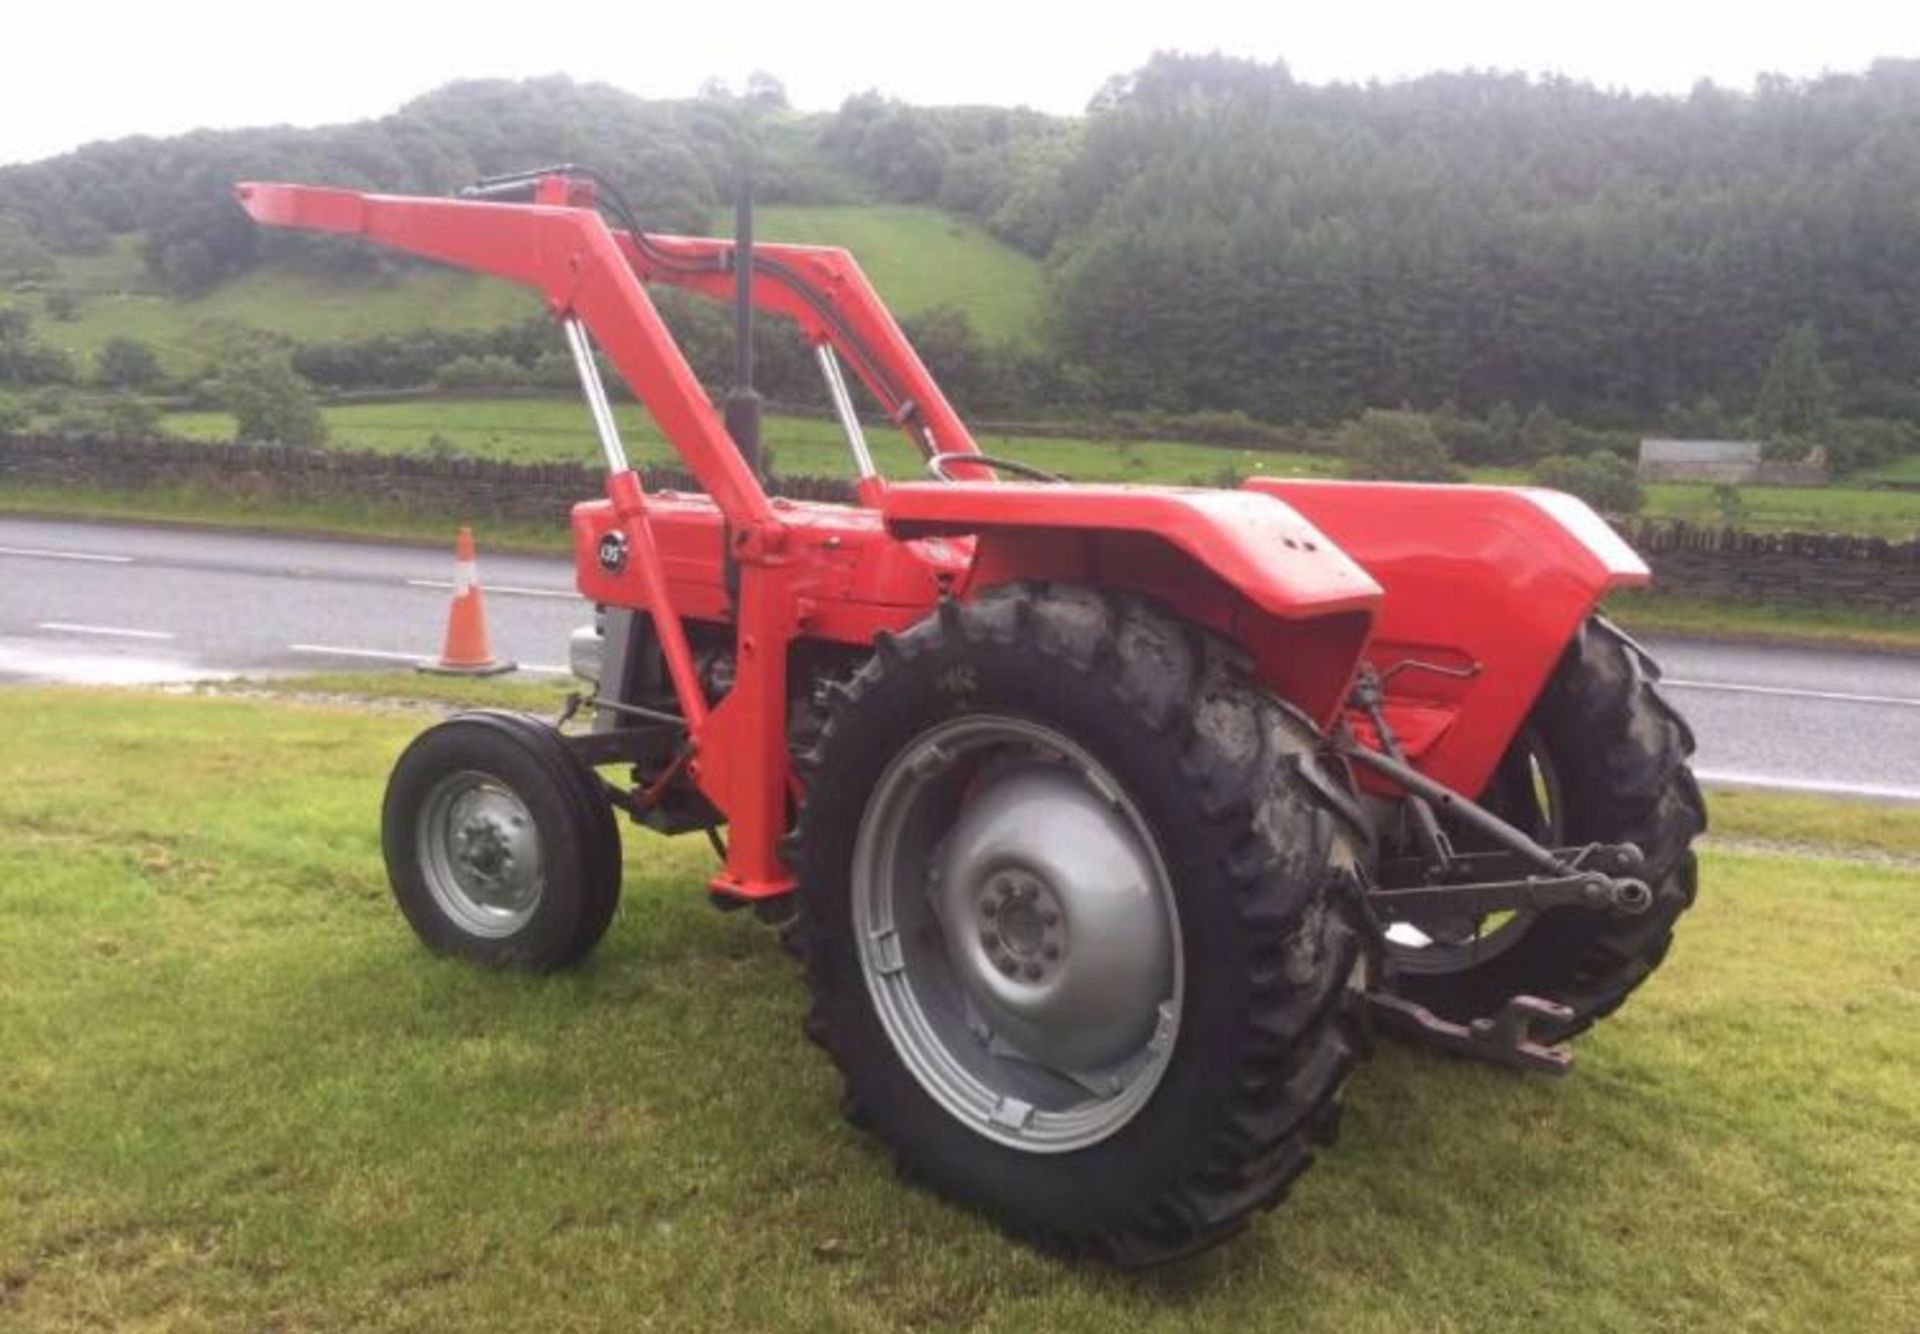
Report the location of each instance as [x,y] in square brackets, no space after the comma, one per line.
[1736,462]
[1732,461]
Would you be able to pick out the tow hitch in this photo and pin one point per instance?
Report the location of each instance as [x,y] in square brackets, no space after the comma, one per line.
[1441,888]
[1505,1039]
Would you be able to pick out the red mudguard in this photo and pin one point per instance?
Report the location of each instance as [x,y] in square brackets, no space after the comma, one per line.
[1488,581]
[1244,565]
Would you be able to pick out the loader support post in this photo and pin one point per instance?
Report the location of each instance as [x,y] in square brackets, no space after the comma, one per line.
[843,409]
[743,401]
[595,392]
[629,503]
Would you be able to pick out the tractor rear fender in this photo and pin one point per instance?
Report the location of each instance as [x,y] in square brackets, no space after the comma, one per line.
[1491,583]
[1245,565]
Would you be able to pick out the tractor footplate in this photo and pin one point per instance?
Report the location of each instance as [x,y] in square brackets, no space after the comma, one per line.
[1505,1039]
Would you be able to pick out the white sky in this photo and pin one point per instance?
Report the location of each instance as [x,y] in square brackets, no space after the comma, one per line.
[78,71]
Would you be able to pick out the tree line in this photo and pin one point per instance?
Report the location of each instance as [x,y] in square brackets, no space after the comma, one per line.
[1220,237]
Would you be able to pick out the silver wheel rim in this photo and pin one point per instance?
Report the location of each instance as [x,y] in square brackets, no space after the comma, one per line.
[1418,951]
[479,854]
[1018,933]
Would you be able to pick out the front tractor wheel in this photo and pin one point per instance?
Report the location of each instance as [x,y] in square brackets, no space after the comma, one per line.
[499,846]
[1077,922]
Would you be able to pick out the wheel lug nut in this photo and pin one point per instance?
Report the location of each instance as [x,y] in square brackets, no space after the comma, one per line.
[988,907]
[1051,952]
[1048,917]
[1032,971]
[990,942]
[1006,964]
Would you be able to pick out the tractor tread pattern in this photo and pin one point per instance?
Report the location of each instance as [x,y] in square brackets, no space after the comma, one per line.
[1623,752]
[1607,686]
[1285,852]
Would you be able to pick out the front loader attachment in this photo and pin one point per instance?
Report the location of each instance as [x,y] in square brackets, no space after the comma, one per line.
[1103,816]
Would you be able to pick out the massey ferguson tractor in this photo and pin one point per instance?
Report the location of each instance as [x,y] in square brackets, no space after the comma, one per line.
[1109,821]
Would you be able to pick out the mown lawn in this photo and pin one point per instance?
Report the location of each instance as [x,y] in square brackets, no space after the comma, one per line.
[234,1094]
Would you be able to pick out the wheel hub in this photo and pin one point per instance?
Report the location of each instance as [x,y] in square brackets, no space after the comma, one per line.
[1020,925]
[1054,919]
[480,852]
[1021,940]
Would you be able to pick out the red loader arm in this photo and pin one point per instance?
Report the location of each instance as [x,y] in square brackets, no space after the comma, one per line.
[581,266]
[1247,567]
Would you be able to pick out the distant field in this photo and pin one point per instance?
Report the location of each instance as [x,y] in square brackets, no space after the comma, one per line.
[1835,509]
[541,430]
[544,430]
[1906,470]
[916,257]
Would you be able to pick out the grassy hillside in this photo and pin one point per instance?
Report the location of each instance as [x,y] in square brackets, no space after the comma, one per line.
[916,257]
[921,257]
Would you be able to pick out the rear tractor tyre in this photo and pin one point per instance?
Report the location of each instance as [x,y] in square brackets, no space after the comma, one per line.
[1602,759]
[499,844]
[1080,922]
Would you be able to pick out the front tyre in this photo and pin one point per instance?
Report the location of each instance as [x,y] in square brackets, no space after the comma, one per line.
[499,845]
[1078,922]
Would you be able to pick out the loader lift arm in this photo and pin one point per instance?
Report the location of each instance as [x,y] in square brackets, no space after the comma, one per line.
[557,242]
[546,232]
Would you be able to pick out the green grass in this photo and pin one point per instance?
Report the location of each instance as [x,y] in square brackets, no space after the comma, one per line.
[916,257]
[1901,470]
[201,505]
[532,692]
[533,430]
[541,430]
[1889,828]
[236,1095]
[1658,613]
[1804,509]
[118,298]
[920,257]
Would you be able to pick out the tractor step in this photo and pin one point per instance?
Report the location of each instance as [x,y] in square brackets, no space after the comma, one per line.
[1505,1039]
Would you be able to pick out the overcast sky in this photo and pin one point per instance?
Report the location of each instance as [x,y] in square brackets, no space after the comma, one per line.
[79,71]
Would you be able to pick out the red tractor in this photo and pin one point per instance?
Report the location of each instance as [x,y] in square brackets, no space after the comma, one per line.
[1108,820]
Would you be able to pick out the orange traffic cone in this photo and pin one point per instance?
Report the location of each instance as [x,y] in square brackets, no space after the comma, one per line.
[467,651]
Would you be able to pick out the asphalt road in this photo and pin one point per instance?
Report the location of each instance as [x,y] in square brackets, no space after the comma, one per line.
[111,603]
[122,604]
